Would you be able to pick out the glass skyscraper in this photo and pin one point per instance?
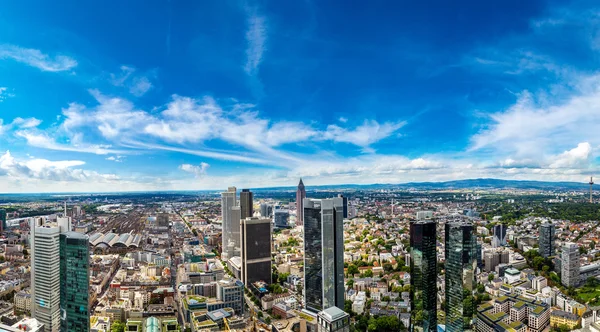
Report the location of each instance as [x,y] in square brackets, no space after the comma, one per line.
[74,282]
[423,276]
[324,254]
[547,231]
[461,267]
[246,204]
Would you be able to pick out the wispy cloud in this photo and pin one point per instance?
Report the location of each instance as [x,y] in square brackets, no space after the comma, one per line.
[256,38]
[36,58]
[137,85]
[4,94]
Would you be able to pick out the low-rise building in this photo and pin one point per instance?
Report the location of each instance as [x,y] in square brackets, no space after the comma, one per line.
[560,317]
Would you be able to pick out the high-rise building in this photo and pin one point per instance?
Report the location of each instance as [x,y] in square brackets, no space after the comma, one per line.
[256,250]
[45,271]
[3,220]
[246,203]
[265,210]
[228,201]
[423,276]
[300,196]
[323,254]
[74,282]
[499,238]
[570,264]
[547,231]
[281,218]
[345,200]
[461,269]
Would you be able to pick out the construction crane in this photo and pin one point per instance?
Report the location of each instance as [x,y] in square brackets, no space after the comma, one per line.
[226,324]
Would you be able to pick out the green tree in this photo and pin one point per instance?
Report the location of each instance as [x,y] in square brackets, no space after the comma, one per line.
[352,269]
[369,273]
[491,277]
[117,326]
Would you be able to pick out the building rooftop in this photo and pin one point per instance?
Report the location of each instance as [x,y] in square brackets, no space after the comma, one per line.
[332,314]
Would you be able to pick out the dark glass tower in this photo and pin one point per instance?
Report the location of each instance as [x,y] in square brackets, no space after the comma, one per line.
[246,204]
[345,200]
[324,254]
[74,282]
[2,220]
[547,231]
[423,272]
[461,267]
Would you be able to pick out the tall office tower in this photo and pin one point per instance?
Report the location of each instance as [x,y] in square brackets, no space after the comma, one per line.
[264,210]
[74,282]
[3,225]
[499,238]
[281,218]
[547,231]
[479,254]
[345,205]
[323,254]
[246,203]
[423,276]
[491,260]
[228,201]
[255,235]
[461,269]
[570,264]
[300,196]
[45,272]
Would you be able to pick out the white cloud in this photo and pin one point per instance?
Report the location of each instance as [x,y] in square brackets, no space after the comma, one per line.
[534,126]
[343,119]
[19,123]
[198,171]
[116,159]
[256,37]
[42,140]
[578,157]
[36,58]
[368,133]
[42,169]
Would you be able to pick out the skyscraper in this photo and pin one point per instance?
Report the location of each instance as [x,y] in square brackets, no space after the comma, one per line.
[281,218]
[300,196]
[570,264]
[461,267]
[246,203]
[345,199]
[547,231]
[499,238]
[323,254]
[45,271]
[74,282]
[3,220]
[423,273]
[256,250]
[228,201]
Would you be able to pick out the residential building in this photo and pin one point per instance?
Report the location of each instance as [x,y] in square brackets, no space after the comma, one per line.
[324,254]
[461,269]
[560,318]
[570,264]
[256,250]
[547,231]
[423,271]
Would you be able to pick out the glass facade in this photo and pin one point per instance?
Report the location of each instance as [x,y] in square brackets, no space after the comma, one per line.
[324,253]
[547,231]
[423,271]
[461,267]
[74,282]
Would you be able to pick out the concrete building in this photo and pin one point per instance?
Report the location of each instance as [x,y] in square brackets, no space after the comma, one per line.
[281,218]
[333,320]
[228,201]
[256,250]
[499,239]
[324,254]
[570,264]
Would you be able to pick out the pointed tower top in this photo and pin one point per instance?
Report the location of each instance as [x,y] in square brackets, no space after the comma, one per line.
[301,184]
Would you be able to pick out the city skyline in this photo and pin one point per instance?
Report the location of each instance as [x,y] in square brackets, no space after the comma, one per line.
[423,92]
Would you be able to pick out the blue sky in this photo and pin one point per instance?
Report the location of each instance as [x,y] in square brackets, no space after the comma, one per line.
[146,95]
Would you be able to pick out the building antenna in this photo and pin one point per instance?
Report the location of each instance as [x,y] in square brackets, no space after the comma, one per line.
[591,184]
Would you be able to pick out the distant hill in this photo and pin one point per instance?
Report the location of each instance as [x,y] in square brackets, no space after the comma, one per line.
[457,184]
